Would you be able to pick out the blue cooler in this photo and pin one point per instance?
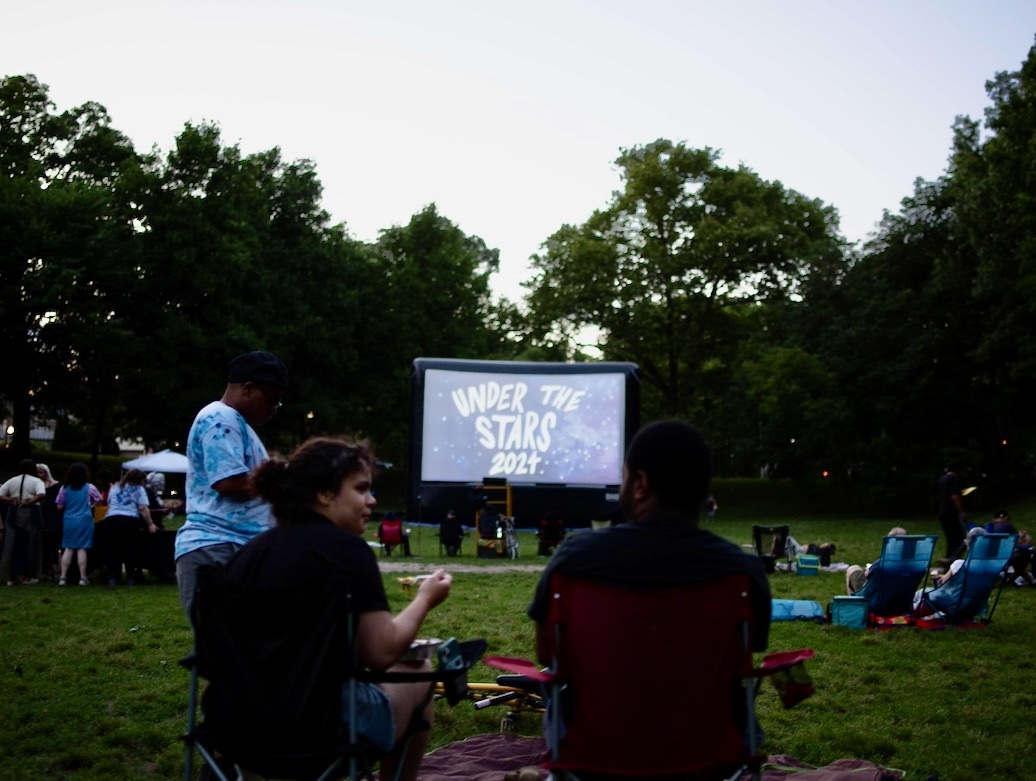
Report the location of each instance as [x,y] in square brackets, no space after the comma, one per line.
[807,564]
[850,612]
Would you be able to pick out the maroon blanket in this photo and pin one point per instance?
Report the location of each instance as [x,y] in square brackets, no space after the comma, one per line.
[492,757]
[483,758]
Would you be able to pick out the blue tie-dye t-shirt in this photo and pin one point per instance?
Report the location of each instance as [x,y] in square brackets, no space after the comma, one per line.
[126,500]
[221,444]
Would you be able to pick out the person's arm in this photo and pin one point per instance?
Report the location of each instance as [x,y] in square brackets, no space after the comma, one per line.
[239,487]
[958,503]
[941,580]
[382,638]
[958,499]
[36,499]
[145,513]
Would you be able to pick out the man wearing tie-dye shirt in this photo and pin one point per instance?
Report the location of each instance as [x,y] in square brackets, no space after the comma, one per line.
[223,511]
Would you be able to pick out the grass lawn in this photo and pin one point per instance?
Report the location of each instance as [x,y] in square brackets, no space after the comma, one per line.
[90,688]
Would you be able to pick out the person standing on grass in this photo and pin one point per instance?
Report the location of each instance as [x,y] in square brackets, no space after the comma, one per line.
[77,499]
[223,509]
[22,497]
[128,515]
[952,518]
[50,531]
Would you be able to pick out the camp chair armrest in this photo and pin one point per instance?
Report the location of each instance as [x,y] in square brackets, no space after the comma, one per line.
[470,652]
[521,667]
[782,660]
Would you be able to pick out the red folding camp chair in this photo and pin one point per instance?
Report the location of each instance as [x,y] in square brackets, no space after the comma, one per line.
[390,534]
[655,682]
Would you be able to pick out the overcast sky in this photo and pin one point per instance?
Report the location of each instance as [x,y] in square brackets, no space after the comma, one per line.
[509,116]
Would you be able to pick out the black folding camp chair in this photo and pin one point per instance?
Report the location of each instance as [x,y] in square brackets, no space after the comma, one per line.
[771,543]
[276,662]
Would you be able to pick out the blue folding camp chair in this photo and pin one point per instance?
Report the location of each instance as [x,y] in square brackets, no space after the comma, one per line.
[965,596]
[898,573]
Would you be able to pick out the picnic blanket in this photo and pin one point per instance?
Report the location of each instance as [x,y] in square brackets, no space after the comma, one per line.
[796,610]
[501,756]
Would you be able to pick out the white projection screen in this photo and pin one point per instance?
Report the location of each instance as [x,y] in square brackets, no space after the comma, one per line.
[561,424]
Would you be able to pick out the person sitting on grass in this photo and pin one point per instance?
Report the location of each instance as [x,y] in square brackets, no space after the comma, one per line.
[921,607]
[550,533]
[451,533]
[857,578]
[1017,569]
[490,539]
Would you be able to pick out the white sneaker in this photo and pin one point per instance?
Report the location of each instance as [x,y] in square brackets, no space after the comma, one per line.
[84,582]
[62,582]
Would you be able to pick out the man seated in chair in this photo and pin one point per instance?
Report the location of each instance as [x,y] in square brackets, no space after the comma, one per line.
[665,479]
[550,534]
[924,610]
[859,580]
[451,533]
[490,538]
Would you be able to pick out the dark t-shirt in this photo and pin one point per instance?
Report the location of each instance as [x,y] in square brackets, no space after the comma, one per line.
[450,530]
[950,485]
[662,550]
[315,547]
[1001,527]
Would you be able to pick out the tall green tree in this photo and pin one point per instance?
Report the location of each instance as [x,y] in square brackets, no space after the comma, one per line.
[994,192]
[930,333]
[670,270]
[433,300]
[63,230]
[238,254]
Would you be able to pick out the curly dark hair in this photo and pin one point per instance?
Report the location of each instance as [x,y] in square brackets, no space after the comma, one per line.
[291,485]
[77,476]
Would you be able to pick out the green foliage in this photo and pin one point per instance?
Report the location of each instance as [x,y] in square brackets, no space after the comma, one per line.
[929,333]
[432,299]
[63,241]
[129,281]
[673,271]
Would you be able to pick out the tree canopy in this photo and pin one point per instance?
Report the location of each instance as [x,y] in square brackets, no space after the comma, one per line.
[675,272]
[130,279]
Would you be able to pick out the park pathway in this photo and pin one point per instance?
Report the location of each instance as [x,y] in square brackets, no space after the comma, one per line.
[426,567]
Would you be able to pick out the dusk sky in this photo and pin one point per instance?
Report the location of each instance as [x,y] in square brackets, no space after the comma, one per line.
[509,116]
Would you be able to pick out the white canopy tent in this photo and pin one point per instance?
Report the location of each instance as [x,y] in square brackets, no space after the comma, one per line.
[165,461]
